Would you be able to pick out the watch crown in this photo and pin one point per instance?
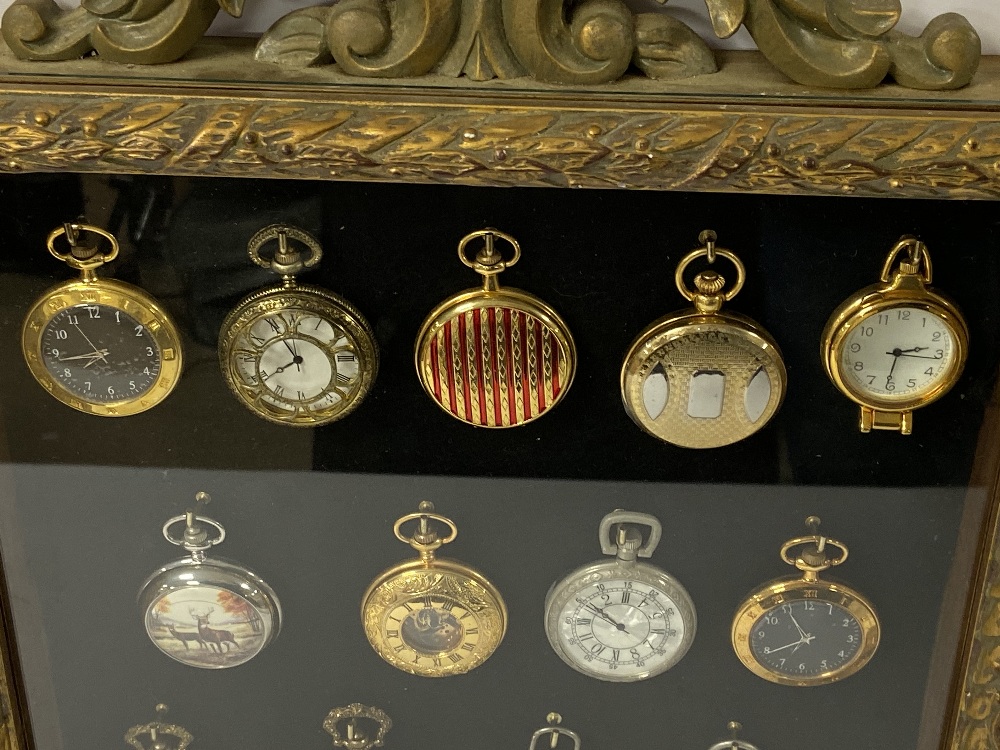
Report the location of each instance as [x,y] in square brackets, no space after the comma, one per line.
[629,540]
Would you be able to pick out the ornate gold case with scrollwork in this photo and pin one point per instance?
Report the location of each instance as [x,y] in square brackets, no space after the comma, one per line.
[432,617]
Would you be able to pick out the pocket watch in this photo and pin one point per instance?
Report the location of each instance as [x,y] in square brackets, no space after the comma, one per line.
[897,345]
[203,612]
[343,725]
[494,357]
[802,631]
[554,732]
[295,354]
[703,378]
[99,345]
[150,736]
[735,743]
[621,620]
[432,616]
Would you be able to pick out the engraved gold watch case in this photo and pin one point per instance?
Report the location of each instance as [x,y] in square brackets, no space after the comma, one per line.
[296,354]
[207,612]
[920,333]
[816,617]
[701,377]
[432,616]
[494,357]
[131,349]
[621,620]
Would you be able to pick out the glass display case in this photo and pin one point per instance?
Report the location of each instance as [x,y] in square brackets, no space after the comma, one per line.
[280,608]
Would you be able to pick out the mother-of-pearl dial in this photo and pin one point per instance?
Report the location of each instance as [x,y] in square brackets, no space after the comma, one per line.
[898,354]
[297,362]
[620,629]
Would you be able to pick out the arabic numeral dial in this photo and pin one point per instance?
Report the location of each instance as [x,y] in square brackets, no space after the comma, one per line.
[806,638]
[898,354]
[100,353]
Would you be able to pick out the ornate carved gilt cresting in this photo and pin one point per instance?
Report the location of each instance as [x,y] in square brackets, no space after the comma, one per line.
[126,31]
[850,44]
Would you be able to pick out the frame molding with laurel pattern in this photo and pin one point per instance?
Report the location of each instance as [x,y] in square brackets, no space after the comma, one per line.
[745,129]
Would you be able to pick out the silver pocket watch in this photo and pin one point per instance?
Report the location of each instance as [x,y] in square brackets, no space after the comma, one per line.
[735,743]
[204,612]
[621,620]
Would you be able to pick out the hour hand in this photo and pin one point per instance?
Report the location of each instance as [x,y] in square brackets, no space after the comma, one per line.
[94,355]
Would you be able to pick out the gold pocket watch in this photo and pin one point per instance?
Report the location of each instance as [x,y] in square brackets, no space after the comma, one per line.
[432,616]
[802,631]
[98,345]
[494,357]
[621,620]
[897,345]
[294,354]
[702,378]
[203,612]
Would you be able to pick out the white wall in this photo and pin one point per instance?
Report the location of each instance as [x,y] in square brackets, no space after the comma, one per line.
[984,15]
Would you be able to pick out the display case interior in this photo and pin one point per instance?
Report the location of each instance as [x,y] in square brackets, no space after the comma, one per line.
[311,510]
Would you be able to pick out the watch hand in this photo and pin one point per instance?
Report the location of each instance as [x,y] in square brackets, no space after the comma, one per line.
[282,369]
[892,369]
[92,355]
[607,617]
[790,645]
[103,356]
[917,356]
[802,633]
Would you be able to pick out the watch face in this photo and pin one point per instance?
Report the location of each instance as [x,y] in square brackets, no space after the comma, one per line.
[100,353]
[434,624]
[702,385]
[209,627]
[899,355]
[806,638]
[102,347]
[297,366]
[621,630]
[800,633]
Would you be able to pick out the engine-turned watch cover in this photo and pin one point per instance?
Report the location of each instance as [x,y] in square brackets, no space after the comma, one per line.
[495,357]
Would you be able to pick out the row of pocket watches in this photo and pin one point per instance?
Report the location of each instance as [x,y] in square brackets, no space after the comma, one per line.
[618,620]
[360,727]
[494,357]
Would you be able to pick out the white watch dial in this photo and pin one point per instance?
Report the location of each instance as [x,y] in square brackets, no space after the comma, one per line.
[898,354]
[302,361]
[621,629]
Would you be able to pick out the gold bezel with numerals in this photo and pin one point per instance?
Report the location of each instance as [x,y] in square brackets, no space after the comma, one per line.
[812,559]
[89,289]
[346,334]
[465,620]
[904,284]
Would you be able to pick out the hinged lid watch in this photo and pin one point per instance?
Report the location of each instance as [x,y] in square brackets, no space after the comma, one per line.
[494,357]
[205,612]
[704,377]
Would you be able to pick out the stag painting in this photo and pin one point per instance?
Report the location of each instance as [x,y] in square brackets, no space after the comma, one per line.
[185,636]
[214,638]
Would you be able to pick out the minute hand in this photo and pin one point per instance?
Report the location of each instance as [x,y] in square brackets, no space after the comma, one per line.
[920,356]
